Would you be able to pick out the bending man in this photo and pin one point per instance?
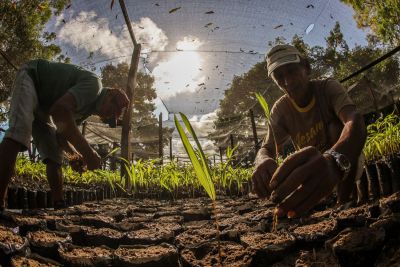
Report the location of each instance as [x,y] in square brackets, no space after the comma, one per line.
[48,101]
[325,128]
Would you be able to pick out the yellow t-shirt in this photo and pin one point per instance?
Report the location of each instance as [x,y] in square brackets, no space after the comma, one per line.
[317,124]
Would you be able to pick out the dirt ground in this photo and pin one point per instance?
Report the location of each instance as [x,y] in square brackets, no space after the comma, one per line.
[129,232]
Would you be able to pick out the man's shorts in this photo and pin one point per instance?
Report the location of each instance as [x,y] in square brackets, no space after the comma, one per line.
[26,119]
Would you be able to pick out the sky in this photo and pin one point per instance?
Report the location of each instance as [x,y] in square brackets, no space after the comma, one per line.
[193,48]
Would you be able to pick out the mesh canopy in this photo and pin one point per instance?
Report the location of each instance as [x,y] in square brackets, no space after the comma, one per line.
[194,49]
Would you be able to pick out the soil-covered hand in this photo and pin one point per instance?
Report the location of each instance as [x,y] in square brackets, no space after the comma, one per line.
[262,176]
[76,162]
[93,161]
[302,180]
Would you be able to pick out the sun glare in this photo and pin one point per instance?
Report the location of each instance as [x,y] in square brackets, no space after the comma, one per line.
[182,71]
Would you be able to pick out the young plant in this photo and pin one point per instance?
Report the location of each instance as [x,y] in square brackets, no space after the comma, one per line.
[265,107]
[267,113]
[201,167]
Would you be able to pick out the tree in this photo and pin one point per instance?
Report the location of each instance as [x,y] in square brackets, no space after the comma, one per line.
[383,17]
[239,98]
[22,37]
[145,124]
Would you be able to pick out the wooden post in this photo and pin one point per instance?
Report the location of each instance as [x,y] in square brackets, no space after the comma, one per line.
[220,154]
[214,159]
[170,149]
[253,126]
[160,139]
[126,123]
[231,140]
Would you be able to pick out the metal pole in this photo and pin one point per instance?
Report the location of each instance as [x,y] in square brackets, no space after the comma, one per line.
[373,63]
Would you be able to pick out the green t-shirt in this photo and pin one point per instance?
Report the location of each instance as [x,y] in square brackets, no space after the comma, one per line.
[52,80]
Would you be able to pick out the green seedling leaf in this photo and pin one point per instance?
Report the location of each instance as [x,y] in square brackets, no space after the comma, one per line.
[201,169]
[264,105]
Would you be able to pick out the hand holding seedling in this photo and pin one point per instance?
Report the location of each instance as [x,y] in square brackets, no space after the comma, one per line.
[302,180]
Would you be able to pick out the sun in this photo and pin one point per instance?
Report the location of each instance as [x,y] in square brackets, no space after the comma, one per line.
[182,70]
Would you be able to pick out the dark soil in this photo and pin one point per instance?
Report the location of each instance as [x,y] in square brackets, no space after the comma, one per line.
[123,232]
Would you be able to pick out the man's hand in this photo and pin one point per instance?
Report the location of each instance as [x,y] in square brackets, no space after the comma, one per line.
[93,161]
[76,162]
[262,176]
[303,179]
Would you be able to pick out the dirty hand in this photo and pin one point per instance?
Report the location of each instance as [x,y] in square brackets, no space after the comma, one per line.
[262,176]
[306,177]
[93,160]
[76,162]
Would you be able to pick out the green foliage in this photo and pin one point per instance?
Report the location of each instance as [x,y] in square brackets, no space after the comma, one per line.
[145,176]
[383,139]
[201,168]
[144,122]
[22,37]
[264,105]
[383,17]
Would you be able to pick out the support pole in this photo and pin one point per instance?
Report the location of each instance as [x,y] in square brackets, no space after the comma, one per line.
[231,140]
[220,154]
[253,126]
[126,123]
[170,149]
[160,139]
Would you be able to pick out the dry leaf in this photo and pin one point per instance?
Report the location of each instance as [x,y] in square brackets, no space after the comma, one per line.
[174,9]
[209,12]
[278,26]
[112,4]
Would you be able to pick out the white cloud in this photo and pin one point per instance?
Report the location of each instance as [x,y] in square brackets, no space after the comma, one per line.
[180,72]
[209,117]
[89,32]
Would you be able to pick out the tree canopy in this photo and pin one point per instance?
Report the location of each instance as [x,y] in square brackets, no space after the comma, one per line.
[22,35]
[383,17]
[145,124]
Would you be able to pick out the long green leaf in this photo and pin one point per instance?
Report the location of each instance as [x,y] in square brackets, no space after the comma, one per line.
[263,104]
[201,169]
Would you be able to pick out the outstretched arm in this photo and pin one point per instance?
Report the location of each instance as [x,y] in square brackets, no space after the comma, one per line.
[307,176]
[62,113]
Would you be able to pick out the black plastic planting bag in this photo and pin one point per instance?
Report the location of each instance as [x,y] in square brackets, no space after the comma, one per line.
[11,243]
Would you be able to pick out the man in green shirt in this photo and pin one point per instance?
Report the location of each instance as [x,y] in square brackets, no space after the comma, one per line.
[48,101]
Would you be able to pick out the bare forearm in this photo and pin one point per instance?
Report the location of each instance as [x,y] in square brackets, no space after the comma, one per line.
[68,131]
[352,138]
[263,154]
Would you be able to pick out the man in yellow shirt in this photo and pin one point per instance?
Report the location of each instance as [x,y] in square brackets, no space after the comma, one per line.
[325,128]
